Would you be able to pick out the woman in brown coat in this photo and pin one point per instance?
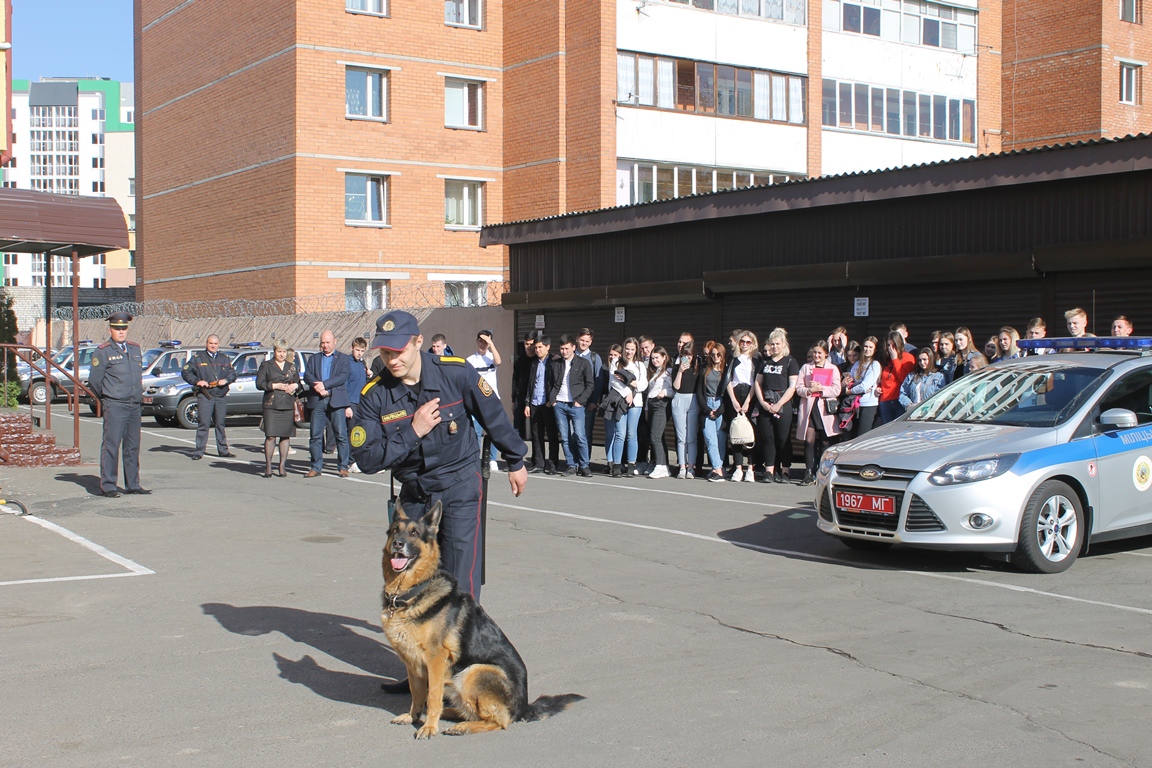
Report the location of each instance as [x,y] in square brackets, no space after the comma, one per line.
[280,380]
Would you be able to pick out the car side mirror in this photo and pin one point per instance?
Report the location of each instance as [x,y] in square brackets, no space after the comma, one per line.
[156,371]
[1118,418]
[68,365]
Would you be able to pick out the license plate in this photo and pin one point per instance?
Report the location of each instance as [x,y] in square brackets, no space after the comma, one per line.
[866,502]
[147,400]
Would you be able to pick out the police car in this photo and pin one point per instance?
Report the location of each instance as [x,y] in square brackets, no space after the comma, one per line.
[1029,460]
[34,387]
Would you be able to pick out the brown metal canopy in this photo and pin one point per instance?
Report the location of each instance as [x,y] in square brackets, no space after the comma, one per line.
[39,222]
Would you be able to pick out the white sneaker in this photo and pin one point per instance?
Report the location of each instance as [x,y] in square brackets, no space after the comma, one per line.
[690,475]
[683,474]
[658,472]
[737,475]
[492,465]
[353,468]
[749,476]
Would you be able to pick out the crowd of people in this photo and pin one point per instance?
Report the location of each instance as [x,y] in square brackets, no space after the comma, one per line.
[736,406]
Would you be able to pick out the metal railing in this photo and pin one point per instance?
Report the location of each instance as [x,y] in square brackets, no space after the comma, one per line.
[26,353]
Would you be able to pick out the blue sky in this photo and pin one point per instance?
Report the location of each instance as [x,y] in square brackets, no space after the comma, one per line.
[69,38]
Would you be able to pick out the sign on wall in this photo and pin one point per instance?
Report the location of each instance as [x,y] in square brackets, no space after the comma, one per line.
[861,306]
[619,314]
[539,322]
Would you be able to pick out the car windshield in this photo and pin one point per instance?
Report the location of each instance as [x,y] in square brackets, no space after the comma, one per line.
[62,355]
[1035,395]
[150,357]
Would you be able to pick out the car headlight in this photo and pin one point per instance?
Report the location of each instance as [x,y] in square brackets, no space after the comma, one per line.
[826,462]
[971,471]
[169,389]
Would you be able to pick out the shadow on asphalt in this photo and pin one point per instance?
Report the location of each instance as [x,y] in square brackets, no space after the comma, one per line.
[330,634]
[90,483]
[186,450]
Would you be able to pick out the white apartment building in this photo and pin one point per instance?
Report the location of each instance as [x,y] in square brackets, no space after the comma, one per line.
[73,137]
[716,94]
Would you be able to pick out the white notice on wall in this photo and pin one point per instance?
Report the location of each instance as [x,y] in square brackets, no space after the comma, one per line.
[619,314]
[861,306]
[539,322]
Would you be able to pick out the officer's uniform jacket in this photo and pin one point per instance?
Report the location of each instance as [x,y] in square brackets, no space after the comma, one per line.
[201,367]
[117,375]
[383,437]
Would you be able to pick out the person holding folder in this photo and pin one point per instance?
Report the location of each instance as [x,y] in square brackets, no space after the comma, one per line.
[819,381]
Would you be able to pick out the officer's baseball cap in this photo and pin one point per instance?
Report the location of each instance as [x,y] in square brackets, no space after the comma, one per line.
[394,330]
[119,320]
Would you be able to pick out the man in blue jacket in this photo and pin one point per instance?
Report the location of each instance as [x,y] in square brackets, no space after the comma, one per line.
[325,376]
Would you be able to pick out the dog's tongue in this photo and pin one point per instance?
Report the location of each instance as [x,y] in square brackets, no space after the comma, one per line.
[399,563]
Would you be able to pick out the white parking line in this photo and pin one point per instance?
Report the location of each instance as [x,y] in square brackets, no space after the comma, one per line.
[134,569]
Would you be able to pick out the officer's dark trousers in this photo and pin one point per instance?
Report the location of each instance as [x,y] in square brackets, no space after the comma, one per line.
[121,430]
[211,412]
[460,551]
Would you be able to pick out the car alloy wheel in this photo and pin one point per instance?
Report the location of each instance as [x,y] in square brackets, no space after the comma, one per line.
[1051,530]
[38,393]
[188,414]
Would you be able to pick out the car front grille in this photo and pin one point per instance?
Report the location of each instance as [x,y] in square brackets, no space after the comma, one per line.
[852,472]
[921,518]
[867,519]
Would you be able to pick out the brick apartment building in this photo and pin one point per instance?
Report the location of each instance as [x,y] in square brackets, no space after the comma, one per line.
[352,146]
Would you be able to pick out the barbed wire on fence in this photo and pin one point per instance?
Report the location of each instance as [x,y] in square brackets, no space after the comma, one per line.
[429,295]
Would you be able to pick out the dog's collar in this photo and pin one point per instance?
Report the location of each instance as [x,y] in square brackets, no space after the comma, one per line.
[401,601]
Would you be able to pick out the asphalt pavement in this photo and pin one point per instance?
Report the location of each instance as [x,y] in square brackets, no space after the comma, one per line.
[233,620]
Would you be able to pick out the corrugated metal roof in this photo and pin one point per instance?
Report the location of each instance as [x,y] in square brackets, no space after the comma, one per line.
[1066,161]
[38,222]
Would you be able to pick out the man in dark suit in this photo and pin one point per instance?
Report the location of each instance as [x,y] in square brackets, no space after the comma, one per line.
[325,376]
[572,387]
[541,422]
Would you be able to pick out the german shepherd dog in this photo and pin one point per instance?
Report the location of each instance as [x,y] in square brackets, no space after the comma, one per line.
[448,643]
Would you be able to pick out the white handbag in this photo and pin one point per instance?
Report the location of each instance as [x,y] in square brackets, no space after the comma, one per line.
[740,431]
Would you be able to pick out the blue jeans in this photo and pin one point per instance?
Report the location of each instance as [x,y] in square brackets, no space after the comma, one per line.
[627,430]
[610,447]
[686,419]
[715,438]
[321,416]
[494,454]
[570,423]
[889,410]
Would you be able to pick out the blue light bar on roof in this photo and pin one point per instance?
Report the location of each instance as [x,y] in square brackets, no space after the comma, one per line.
[1143,343]
[171,343]
[244,344]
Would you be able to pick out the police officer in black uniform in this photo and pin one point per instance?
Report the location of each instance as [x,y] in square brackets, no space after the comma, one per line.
[413,418]
[115,377]
[210,373]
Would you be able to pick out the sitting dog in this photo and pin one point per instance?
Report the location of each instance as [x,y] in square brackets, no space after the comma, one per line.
[448,643]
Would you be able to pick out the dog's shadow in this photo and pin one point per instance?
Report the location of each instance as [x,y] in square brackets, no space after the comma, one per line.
[330,634]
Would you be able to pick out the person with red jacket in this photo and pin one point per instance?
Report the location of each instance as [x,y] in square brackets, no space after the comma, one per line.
[900,364]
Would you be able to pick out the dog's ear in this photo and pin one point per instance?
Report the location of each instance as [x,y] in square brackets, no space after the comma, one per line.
[400,514]
[432,517]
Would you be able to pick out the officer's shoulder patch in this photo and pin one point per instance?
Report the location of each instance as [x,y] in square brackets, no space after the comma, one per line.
[95,361]
[357,437]
[446,360]
[131,343]
[105,345]
[485,387]
[371,383]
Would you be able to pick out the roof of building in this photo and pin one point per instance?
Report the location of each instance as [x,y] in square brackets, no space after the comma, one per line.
[38,222]
[1066,161]
[55,94]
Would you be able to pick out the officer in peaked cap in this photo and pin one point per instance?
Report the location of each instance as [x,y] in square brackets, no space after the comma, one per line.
[116,378]
[413,418]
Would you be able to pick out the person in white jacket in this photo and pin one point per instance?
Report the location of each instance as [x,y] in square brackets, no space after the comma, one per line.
[862,381]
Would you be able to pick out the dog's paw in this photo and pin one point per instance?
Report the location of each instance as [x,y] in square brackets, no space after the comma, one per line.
[454,731]
[427,731]
[404,719]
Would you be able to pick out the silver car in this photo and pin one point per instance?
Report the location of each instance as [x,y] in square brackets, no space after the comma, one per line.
[1030,460]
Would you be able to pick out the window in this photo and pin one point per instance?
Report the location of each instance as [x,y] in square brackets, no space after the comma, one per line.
[706,88]
[129,116]
[365,199]
[462,13]
[97,162]
[99,282]
[97,138]
[465,294]
[361,295]
[463,203]
[97,186]
[1129,83]
[860,107]
[98,114]
[649,181]
[376,7]
[132,259]
[920,23]
[132,187]
[10,259]
[366,93]
[463,104]
[11,281]
[1130,11]
[788,11]
[131,222]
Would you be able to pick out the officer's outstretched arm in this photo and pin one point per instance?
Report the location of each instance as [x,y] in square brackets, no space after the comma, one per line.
[482,402]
